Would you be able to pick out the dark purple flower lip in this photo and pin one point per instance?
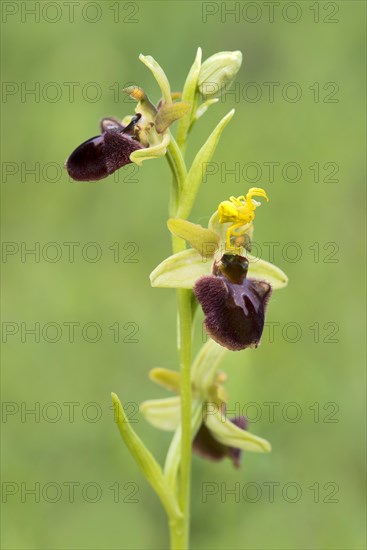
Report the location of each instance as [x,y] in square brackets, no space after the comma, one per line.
[206,446]
[102,155]
[234,306]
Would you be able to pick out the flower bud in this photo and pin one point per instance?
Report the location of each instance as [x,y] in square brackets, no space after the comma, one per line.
[218,71]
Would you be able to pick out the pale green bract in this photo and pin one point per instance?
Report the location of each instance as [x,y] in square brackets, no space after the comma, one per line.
[198,167]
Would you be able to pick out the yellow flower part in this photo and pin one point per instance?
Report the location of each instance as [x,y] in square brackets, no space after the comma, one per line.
[240,212]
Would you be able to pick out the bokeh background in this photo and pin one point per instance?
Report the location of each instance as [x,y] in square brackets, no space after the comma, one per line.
[315,360]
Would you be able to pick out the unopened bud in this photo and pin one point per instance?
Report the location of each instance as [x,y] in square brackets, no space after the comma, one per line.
[218,71]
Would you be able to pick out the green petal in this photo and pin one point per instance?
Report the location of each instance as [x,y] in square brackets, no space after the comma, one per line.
[265,271]
[231,435]
[164,414]
[198,167]
[169,379]
[167,114]
[151,152]
[181,270]
[203,240]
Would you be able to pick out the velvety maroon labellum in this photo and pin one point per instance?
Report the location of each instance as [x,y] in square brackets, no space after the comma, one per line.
[102,155]
[234,312]
[206,446]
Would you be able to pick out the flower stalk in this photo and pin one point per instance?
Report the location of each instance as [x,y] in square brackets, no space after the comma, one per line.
[202,259]
[185,330]
[180,529]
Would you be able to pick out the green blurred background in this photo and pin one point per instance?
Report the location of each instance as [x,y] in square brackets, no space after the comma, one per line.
[321,369]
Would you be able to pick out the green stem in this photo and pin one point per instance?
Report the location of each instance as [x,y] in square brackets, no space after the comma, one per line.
[175,193]
[185,320]
[177,539]
[180,527]
[181,537]
[177,162]
[182,137]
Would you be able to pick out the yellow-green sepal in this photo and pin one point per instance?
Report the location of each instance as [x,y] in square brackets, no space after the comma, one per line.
[205,241]
[227,433]
[159,75]
[180,270]
[164,414]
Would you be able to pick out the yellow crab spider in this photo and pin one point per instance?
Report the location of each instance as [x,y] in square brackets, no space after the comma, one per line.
[240,212]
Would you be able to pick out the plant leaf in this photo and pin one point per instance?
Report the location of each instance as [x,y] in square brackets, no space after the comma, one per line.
[146,461]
